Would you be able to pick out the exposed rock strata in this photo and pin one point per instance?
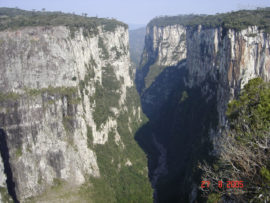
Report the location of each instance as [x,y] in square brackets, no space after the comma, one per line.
[48,81]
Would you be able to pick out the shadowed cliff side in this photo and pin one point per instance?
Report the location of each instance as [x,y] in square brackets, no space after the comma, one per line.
[180,125]
[7,168]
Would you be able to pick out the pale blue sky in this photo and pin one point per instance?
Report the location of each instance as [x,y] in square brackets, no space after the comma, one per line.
[136,11]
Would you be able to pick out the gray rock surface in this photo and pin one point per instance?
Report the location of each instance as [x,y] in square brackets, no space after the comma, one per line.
[2,177]
[165,45]
[231,60]
[44,110]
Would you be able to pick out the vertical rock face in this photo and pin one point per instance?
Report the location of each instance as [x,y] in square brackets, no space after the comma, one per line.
[242,55]
[164,46]
[229,57]
[187,99]
[61,95]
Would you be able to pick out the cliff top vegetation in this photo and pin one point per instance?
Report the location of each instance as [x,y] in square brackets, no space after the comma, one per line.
[237,20]
[14,18]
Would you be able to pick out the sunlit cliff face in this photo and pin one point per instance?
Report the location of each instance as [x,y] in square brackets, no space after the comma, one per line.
[49,82]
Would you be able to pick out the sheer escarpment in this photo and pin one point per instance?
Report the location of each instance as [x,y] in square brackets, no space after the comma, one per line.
[69,110]
[164,46]
[188,75]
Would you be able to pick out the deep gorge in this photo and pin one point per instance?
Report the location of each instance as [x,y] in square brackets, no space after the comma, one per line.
[79,122]
[187,76]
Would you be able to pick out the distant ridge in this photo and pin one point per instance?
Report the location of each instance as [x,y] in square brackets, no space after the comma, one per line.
[135,26]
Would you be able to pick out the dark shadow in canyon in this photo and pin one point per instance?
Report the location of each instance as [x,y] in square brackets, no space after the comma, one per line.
[7,168]
[179,119]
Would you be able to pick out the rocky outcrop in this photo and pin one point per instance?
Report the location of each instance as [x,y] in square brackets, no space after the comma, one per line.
[54,104]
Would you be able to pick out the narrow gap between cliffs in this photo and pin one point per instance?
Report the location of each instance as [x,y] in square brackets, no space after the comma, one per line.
[7,169]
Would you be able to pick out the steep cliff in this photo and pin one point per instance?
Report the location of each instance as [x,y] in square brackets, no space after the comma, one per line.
[69,110]
[191,67]
[164,46]
[230,57]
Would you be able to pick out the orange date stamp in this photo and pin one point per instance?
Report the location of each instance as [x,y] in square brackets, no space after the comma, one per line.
[221,184]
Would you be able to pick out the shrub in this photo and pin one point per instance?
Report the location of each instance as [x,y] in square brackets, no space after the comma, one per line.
[213,198]
[15,18]
[74,78]
[245,146]
[104,51]
[90,138]
[106,96]
[237,20]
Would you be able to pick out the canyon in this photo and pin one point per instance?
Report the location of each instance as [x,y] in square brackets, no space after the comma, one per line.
[73,128]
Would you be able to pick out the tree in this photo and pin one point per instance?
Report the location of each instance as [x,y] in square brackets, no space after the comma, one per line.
[84,14]
[244,148]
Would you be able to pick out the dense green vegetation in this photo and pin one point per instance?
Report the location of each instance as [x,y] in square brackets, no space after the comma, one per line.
[9,96]
[154,71]
[120,180]
[11,18]
[89,76]
[101,45]
[62,91]
[106,96]
[89,137]
[249,115]
[5,196]
[237,20]
[56,91]
[245,146]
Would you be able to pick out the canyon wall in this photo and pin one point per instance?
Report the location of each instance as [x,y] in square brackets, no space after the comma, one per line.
[64,95]
[234,56]
[188,75]
[229,57]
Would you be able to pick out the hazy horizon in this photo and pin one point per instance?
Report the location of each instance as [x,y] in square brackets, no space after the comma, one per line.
[137,12]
